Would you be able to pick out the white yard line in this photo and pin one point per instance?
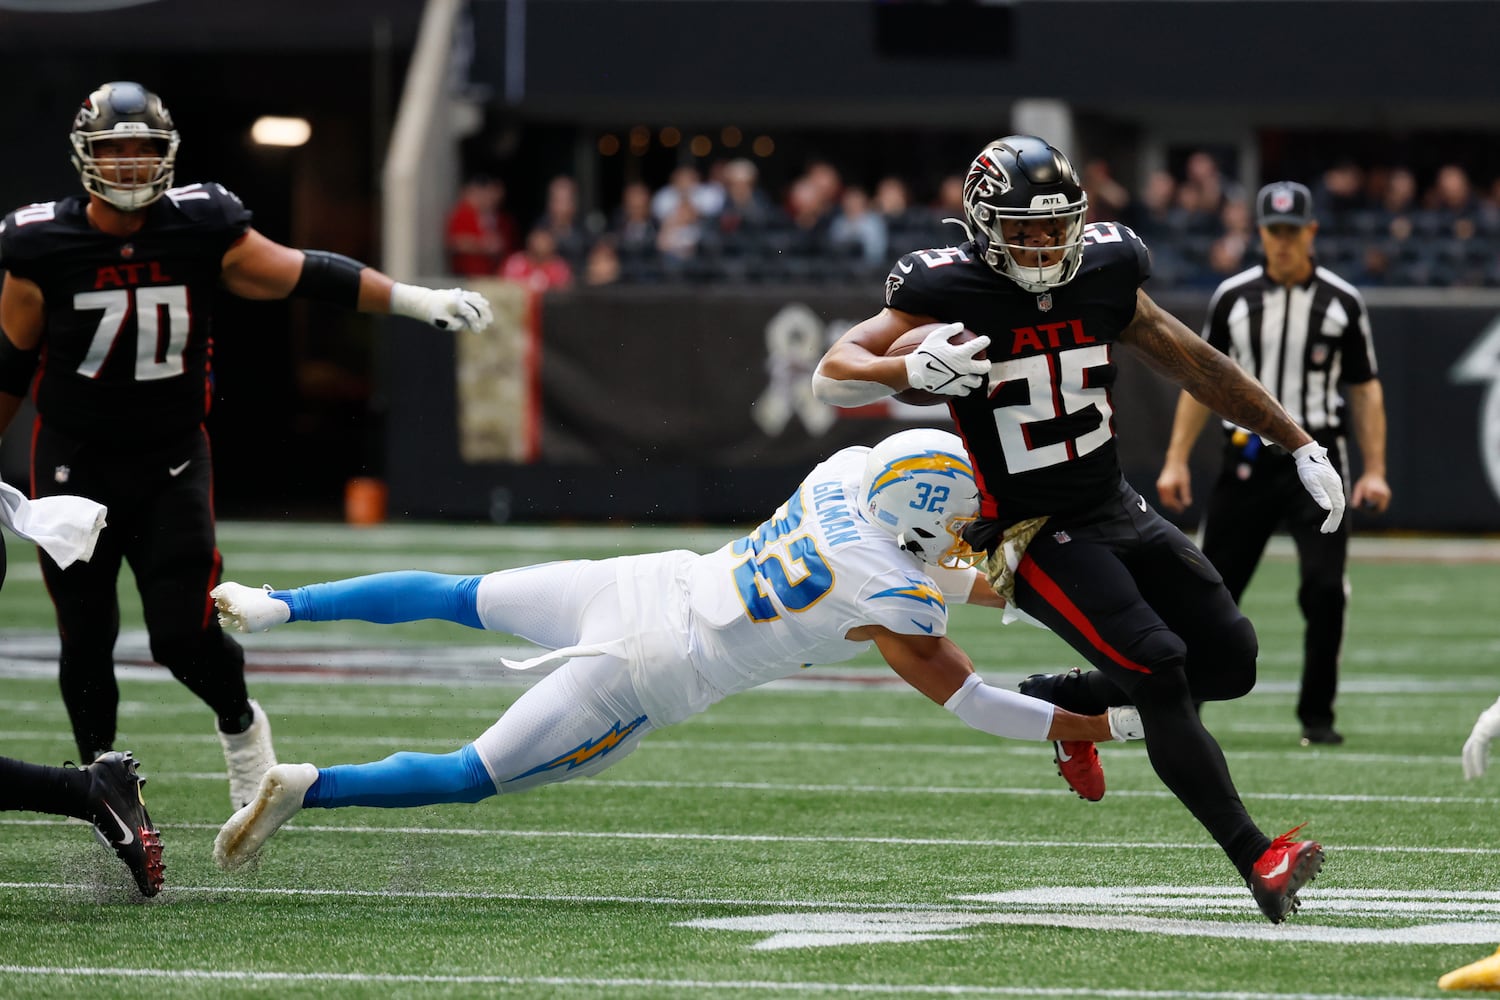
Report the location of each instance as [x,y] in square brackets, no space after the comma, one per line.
[691,986]
[751,838]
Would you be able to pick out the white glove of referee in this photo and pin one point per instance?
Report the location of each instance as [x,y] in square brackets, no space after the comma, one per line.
[1322,482]
[1477,746]
[444,308]
[944,368]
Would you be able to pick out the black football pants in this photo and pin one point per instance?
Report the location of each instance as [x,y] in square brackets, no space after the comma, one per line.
[1132,594]
[160,521]
[1250,500]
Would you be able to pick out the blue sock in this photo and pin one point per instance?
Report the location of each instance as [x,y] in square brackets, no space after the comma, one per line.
[403,779]
[385,598]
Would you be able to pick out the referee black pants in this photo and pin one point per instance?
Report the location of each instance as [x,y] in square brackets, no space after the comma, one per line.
[1250,500]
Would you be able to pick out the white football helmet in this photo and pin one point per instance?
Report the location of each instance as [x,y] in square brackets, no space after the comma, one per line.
[918,485]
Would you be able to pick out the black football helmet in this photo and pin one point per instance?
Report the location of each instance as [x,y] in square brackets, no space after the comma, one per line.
[1017,178]
[124,110]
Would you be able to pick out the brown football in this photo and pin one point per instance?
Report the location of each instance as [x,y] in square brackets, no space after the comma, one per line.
[910,341]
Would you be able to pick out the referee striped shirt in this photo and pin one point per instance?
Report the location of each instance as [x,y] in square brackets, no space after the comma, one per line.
[1299,341]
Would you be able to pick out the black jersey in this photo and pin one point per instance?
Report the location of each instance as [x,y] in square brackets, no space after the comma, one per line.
[127,347]
[1041,430]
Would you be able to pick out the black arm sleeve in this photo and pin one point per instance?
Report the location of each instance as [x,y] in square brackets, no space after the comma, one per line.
[329,277]
[16,367]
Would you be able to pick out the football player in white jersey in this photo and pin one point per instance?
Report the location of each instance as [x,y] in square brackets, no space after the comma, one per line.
[867,550]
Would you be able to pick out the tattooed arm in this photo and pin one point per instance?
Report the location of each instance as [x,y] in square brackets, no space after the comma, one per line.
[1211,377]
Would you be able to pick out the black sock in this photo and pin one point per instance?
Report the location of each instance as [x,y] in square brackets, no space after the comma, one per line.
[233,725]
[61,791]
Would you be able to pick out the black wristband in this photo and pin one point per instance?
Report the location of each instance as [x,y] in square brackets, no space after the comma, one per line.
[16,367]
[329,277]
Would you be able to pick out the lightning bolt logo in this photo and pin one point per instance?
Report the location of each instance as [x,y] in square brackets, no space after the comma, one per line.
[587,750]
[1481,363]
[922,593]
[937,463]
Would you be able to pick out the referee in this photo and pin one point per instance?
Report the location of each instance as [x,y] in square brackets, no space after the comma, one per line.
[1302,331]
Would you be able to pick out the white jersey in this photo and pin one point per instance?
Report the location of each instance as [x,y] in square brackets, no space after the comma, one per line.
[782,597]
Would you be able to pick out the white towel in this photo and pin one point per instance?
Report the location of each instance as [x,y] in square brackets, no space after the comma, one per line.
[66,527]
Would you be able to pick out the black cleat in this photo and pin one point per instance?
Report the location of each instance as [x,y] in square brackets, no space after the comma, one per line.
[1045,686]
[1325,735]
[120,819]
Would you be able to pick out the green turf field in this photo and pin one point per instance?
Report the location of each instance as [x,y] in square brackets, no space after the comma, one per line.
[829,836]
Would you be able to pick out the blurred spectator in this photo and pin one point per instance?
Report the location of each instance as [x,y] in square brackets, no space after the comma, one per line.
[1154,214]
[1109,201]
[893,202]
[1452,203]
[1339,193]
[480,232]
[826,178]
[1398,203]
[569,235]
[1236,220]
[681,233]
[1452,192]
[858,231]
[747,209]
[538,265]
[686,184]
[1203,192]
[1373,267]
[634,229]
[811,217]
[603,264]
[950,198]
[1226,256]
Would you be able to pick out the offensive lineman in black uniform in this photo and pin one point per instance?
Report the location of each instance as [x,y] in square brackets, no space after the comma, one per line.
[106,303]
[1050,299]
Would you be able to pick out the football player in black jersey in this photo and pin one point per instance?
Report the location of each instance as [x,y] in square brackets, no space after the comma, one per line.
[1051,299]
[106,319]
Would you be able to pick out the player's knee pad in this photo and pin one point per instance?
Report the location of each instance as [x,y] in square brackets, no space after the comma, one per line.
[1234,662]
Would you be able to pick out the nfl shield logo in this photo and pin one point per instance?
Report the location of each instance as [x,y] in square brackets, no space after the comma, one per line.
[1282,200]
[1061,537]
[1044,302]
[61,474]
[1319,354]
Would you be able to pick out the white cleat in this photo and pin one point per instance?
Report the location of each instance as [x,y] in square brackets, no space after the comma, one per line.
[249,755]
[278,799]
[247,609]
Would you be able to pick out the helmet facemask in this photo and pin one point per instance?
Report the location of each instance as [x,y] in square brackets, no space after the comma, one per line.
[919,487]
[121,112]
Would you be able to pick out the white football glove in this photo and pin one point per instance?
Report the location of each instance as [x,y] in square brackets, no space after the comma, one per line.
[1477,746]
[1125,723]
[444,308]
[944,368]
[1322,482]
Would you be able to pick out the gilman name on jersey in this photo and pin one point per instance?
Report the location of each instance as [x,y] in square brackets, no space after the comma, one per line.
[831,508]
